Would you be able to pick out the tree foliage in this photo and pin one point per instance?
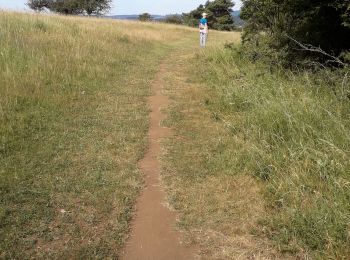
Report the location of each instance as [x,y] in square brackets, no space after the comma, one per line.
[72,7]
[37,5]
[145,17]
[174,19]
[192,17]
[324,24]
[219,15]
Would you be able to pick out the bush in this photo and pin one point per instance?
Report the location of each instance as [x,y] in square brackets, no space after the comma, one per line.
[92,7]
[219,15]
[323,24]
[174,18]
[145,17]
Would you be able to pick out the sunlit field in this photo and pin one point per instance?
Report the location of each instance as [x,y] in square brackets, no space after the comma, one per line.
[73,119]
[258,167]
[260,163]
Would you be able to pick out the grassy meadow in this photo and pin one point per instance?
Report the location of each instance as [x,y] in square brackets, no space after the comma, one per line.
[73,124]
[259,166]
[291,130]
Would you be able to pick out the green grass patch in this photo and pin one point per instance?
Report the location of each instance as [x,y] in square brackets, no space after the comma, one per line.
[219,205]
[73,124]
[291,131]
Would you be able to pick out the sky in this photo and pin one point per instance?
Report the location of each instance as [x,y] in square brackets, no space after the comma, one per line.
[132,6]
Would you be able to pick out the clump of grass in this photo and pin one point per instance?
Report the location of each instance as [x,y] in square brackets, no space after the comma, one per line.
[293,134]
[73,120]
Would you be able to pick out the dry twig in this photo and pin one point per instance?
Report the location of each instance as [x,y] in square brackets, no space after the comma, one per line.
[311,48]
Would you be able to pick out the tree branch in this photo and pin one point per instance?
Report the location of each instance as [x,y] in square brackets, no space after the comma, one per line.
[311,48]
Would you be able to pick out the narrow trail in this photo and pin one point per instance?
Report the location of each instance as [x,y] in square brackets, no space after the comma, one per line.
[153,234]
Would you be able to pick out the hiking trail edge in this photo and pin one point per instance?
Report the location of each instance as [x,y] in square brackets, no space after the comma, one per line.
[153,232]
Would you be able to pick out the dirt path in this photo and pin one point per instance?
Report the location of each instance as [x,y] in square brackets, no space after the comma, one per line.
[153,234]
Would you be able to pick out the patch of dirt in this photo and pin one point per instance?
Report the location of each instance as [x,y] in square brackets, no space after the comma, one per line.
[153,234]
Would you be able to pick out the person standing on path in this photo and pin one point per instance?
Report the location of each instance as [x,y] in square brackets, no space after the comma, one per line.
[203,30]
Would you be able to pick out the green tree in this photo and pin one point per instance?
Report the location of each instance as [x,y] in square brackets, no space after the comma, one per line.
[89,7]
[343,6]
[145,17]
[174,19]
[38,5]
[219,15]
[192,18]
[96,6]
[68,7]
[323,24]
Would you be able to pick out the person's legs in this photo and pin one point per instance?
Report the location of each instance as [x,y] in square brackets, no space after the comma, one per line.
[205,36]
[201,39]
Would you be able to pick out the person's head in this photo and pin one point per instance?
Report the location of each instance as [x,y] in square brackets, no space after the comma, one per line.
[204,15]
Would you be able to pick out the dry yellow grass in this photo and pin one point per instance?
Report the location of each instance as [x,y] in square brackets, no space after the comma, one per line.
[259,166]
[73,120]
[219,209]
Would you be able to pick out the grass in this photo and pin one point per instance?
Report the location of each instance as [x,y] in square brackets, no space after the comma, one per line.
[73,121]
[295,127]
[219,207]
[259,166]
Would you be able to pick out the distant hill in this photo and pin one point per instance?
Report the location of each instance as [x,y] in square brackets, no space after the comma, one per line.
[135,17]
[238,21]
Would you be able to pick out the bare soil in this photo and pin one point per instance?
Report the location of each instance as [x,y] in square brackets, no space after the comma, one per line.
[153,232]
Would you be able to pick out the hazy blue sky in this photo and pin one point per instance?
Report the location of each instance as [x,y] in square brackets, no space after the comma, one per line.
[133,6]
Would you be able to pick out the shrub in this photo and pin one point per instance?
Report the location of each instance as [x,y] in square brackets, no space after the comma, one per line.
[174,18]
[319,26]
[145,17]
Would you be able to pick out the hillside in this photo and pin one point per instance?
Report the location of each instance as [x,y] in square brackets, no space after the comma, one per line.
[236,17]
[238,21]
[134,17]
[114,133]
[73,124]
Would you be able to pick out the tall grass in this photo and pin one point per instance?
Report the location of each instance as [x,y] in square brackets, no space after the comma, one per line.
[219,205]
[73,120]
[291,131]
[258,153]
